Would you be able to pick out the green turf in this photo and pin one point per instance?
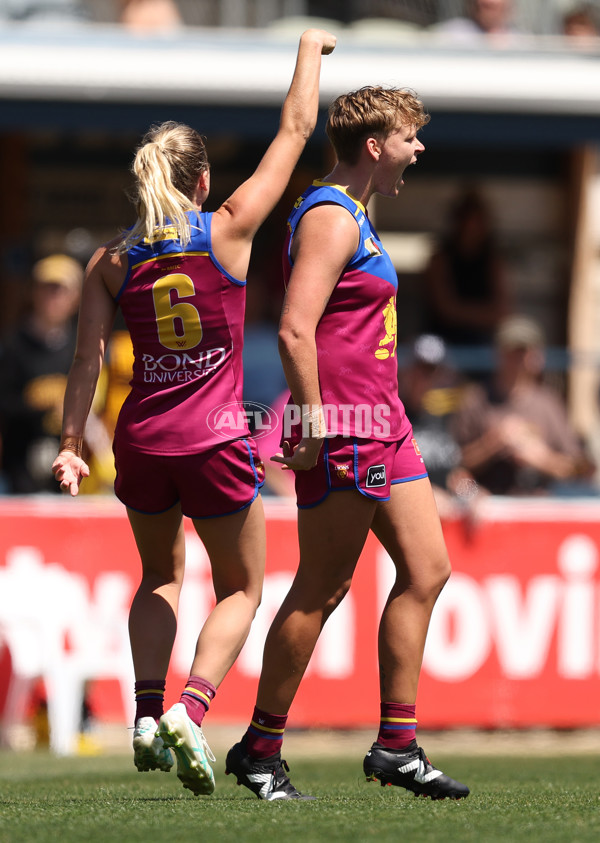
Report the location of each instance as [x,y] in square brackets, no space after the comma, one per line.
[104,799]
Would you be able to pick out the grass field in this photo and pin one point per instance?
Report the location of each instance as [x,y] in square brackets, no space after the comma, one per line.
[528,798]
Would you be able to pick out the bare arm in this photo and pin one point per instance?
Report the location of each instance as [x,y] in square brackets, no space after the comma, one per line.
[96,316]
[235,223]
[326,239]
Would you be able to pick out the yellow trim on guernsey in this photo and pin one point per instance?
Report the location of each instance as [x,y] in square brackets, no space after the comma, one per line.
[171,256]
[339,187]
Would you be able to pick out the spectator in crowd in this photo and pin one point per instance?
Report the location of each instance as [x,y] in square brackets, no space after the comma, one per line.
[515,436]
[484,18]
[44,10]
[466,285]
[150,15]
[430,389]
[33,375]
[581,22]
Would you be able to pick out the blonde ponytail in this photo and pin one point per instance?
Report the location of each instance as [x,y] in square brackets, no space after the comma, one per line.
[167,166]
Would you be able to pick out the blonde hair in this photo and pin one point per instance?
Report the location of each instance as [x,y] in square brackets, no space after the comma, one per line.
[167,166]
[372,111]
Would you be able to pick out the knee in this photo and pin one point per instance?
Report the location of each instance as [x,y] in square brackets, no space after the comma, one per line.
[332,599]
[249,595]
[255,599]
[439,575]
[432,579]
[443,575]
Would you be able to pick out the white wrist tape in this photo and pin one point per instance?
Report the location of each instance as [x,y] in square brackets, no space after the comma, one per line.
[313,423]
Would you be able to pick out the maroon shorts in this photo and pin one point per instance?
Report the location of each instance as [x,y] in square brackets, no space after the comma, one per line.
[369,465]
[217,482]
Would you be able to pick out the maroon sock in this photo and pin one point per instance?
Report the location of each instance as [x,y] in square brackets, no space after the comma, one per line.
[197,697]
[149,698]
[265,734]
[398,724]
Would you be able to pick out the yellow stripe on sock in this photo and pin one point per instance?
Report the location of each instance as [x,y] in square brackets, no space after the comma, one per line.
[197,693]
[266,729]
[398,719]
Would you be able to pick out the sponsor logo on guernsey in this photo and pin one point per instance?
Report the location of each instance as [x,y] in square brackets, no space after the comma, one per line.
[181,366]
[416,447]
[375,476]
[167,232]
[373,248]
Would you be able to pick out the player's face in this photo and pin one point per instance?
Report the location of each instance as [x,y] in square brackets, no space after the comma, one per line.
[398,151]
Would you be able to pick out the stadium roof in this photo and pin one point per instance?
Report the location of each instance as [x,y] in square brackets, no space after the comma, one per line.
[97,65]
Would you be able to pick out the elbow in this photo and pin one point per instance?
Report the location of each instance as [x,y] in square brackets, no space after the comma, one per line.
[285,341]
[86,366]
[307,130]
[289,341]
[299,130]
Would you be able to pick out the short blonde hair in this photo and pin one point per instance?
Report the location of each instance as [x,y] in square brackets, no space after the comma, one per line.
[167,166]
[372,111]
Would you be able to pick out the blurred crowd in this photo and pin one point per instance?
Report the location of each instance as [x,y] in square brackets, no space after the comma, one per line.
[458,20]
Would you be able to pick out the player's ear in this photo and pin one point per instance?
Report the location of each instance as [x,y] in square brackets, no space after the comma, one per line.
[204,180]
[373,147]
[202,187]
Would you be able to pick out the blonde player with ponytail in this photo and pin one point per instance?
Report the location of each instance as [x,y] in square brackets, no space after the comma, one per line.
[167,166]
[178,276]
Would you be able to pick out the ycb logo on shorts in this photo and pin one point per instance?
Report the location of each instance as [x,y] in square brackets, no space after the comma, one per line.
[375,476]
[237,418]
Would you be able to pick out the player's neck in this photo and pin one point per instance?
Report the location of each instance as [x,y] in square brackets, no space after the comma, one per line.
[356,183]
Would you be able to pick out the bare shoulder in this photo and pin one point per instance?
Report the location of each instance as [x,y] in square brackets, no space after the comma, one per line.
[108,266]
[327,223]
[330,213]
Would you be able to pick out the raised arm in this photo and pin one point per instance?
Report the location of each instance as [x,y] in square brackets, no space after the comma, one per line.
[237,220]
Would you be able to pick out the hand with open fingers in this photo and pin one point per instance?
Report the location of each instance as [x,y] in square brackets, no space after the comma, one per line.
[69,470]
[303,457]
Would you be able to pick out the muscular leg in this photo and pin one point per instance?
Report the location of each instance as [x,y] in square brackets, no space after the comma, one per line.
[236,547]
[153,614]
[331,537]
[409,528]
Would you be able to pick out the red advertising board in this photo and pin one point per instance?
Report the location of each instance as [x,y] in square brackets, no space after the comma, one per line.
[514,639]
